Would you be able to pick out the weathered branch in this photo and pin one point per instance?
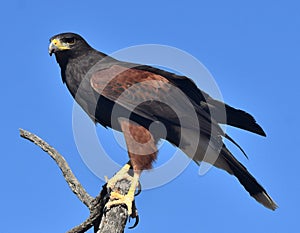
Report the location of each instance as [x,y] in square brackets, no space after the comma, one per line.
[108,223]
[72,181]
[96,213]
[114,220]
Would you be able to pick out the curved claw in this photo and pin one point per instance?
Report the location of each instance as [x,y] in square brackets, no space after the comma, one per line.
[137,220]
[139,189]
[104,211]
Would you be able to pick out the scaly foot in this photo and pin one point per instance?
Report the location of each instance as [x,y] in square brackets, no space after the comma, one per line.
[117,198]
[121,174]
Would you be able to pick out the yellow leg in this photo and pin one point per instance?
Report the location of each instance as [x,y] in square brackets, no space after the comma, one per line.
[118,199]
[121,174]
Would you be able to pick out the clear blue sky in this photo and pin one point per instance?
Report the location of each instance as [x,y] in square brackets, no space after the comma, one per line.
[251,48]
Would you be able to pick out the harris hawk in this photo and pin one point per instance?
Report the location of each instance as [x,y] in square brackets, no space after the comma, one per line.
[131,98]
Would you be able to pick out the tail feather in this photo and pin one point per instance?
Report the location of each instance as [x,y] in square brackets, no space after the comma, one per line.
[243,120]
[234,117]
[227,162]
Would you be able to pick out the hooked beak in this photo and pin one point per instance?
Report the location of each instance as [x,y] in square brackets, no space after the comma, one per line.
[56,45]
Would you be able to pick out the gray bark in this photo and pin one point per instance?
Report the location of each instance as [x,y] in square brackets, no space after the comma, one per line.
[113,220]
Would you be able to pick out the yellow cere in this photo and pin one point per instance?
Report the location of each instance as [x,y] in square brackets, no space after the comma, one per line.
[59,45]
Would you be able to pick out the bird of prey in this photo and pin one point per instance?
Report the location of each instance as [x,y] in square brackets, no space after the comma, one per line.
[131,98]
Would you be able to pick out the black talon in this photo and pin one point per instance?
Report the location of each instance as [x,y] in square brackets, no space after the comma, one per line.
[106,199]
[107,196]
[104,211]
[137,219]
[134,215]
[139,189]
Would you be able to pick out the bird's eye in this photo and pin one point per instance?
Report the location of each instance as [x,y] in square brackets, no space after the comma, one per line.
[70,40]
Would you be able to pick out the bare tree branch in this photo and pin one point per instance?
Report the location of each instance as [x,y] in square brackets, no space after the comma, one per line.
[114,220]
[108,222]
[96,212]
[72,181]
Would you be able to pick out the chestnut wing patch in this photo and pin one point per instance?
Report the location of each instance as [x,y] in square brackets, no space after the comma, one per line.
[151,96]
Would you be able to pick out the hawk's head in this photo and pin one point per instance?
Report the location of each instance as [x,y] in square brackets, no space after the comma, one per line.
[70,43]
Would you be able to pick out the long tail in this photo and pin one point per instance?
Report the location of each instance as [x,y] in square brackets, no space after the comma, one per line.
[227,162]
[234,117]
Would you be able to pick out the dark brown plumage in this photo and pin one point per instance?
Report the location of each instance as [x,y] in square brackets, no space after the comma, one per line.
[131,97]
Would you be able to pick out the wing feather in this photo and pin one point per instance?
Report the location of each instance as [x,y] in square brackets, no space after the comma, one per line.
[151,96]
